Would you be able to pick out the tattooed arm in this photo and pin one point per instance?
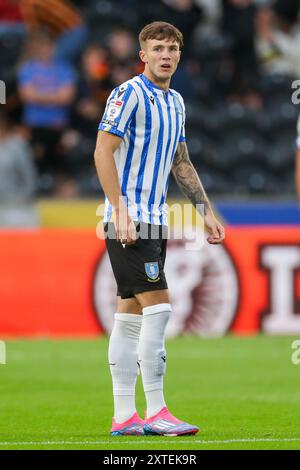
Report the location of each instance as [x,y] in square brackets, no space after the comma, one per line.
[191,186]
[188,179]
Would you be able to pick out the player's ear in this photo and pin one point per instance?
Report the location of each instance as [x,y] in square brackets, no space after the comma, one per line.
[143,56]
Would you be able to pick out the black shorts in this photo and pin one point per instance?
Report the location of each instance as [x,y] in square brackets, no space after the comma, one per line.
[139,267]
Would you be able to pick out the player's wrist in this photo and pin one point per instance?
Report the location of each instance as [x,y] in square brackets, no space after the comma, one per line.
[120,206]
[209,213]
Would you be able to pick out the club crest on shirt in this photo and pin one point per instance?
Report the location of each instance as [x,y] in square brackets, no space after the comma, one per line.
[152,271]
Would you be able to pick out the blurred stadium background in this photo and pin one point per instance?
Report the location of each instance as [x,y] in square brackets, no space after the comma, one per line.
[59,61]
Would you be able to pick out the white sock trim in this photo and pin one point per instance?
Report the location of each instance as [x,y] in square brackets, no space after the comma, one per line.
[157,309]
[129,317]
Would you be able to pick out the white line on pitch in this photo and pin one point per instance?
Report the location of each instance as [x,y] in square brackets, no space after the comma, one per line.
[152,441]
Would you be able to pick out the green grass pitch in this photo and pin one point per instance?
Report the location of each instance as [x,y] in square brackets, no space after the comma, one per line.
[242,392]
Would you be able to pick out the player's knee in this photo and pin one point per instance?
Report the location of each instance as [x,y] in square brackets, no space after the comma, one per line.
[148,299]
[131,305]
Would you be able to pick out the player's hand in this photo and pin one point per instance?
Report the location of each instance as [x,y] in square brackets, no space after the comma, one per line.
[125,228]
[214,228]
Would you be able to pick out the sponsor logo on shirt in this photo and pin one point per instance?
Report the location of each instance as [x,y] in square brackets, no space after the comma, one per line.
[114,109]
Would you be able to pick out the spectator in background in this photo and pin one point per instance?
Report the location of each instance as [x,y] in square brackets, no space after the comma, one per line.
[62,20]
[279,38]
[93,89]
[12,33]
[47,89]
[18,179]
[103,68]
[239,27]
[122,46]
[95,72]
[123,60]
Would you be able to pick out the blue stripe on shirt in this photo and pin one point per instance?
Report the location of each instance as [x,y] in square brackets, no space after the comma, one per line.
[140,178]
[157,158]
[129,156]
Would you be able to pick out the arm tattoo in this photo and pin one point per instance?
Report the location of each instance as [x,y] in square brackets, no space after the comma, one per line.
[188,179]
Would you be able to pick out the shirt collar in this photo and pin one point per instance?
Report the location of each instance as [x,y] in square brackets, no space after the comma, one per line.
[152,85]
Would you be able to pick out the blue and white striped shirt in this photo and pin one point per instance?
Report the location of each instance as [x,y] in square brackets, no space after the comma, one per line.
[151,123]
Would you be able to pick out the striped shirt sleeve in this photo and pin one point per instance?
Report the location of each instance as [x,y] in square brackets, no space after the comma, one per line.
[182,132]
[120,109]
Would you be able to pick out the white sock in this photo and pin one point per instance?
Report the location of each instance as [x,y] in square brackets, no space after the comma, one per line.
[123,360]
[152,355]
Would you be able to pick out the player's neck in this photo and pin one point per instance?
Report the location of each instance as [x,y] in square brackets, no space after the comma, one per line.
[164,85]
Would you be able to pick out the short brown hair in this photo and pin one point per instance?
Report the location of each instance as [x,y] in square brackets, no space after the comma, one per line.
[160,30]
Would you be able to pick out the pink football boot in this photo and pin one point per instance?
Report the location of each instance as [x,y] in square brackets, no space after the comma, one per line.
[131,427]
[164,424]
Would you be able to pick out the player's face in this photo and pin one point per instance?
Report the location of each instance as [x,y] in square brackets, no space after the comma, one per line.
[161,57]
